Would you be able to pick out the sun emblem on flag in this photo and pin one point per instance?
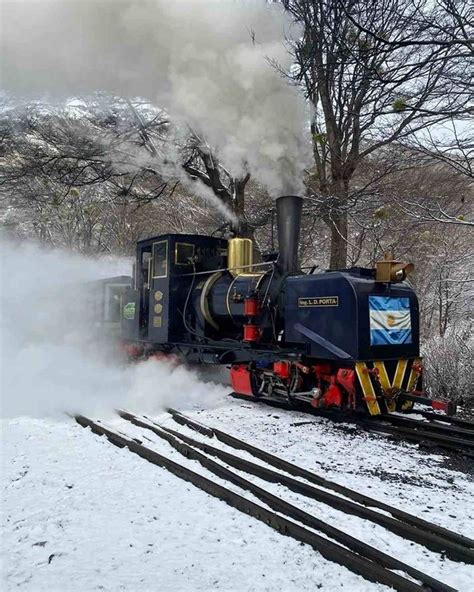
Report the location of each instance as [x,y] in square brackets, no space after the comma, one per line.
[390,320]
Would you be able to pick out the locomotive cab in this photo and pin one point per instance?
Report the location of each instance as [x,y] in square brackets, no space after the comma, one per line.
[165,270]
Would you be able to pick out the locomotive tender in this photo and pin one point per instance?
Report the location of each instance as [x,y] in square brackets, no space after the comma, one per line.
[346,339]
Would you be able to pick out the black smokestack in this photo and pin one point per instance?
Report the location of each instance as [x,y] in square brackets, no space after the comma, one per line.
[289,223]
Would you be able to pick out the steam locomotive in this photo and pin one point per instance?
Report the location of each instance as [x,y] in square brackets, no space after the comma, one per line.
[346,339]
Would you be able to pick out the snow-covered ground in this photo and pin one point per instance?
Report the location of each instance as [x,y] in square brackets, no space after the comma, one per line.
[79,514]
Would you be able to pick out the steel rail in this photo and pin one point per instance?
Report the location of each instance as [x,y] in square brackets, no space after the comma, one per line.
[453,444]
[436,543]
[462,446]
[423,436]
[458,421]
[426,437]
[312,477]
[429,426]
[334,552]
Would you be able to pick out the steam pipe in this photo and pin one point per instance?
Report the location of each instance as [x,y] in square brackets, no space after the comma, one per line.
[289,209]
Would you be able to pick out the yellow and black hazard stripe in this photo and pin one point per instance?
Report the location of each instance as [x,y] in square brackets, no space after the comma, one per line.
[368,390]
[382,380]
[414,375]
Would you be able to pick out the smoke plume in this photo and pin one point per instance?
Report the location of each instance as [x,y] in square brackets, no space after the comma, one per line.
[209,63]
[52,356]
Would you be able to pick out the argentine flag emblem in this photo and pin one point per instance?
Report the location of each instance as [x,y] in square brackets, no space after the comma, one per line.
[390,322]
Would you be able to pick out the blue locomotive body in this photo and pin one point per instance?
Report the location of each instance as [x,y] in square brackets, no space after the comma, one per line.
[333,311]
[345,339]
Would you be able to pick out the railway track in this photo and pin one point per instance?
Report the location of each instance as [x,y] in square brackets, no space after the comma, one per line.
[463,430]
[362,502]
[426,433]
[334,544]
[447,419]
[435,431]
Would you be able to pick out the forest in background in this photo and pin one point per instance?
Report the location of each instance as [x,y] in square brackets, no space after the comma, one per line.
[391,130]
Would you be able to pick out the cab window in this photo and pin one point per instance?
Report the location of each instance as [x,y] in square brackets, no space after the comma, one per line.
[183,253]
[160,259]
[145,269]
[113,300]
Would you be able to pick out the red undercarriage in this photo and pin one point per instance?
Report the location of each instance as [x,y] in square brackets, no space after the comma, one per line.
[329,385]
[322,385]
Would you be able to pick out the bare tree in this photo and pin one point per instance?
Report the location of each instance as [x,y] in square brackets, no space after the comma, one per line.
[365,93]
[446,29]
[127,147]
[199,163]
[449,366]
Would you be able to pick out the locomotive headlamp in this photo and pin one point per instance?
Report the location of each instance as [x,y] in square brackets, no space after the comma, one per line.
[391,271]
[399,275]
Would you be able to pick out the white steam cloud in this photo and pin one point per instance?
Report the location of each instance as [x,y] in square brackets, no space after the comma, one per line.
[207,62]
[51,360]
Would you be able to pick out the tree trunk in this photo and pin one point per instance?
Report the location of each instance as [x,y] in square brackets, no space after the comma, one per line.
[338,242]
[337,220]
[241,228]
